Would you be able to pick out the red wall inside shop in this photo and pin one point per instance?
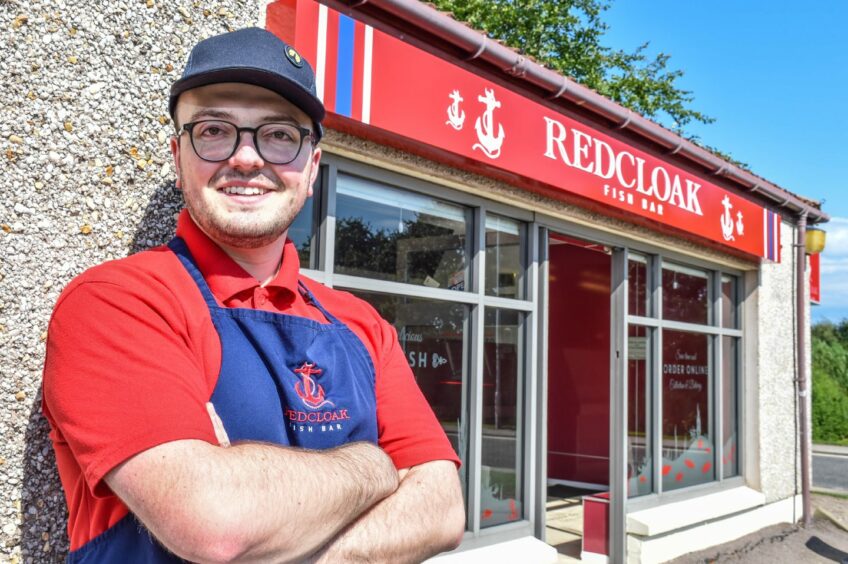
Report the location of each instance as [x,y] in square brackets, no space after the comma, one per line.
[578,364]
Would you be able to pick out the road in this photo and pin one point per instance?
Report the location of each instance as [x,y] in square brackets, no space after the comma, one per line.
[830,468]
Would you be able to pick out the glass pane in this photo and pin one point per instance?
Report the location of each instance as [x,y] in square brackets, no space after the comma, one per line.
[639,471]
[730,405]
[685,294]
[304,227]
[501,487]
[432,336]
[503,257]
[728,302]
[391,234]
[637,286]
[686,427]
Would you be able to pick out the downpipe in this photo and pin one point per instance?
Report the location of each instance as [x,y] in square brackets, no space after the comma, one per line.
[803,384]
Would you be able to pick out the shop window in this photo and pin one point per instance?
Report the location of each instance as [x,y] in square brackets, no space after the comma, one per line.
[503,257]
[432,335]
[637,280]
[304,227]
[730,406]
[687,438]
[501,487]
[729,313]
[400,236]
[639,442]
[685,294]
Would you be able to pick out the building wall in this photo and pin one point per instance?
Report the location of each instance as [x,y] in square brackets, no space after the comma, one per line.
[86,177]
[774,416]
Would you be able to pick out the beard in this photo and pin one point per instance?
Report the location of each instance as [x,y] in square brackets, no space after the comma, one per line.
[248,228]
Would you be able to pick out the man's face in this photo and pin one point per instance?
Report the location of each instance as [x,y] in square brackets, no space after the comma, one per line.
[244,201]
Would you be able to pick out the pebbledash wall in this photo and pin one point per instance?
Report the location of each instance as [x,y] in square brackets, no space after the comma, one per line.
[86,177]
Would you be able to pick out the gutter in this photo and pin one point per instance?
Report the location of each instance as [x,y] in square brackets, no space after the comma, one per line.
[417,20]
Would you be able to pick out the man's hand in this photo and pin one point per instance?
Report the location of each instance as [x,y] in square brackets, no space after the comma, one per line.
[424,517]
[250,502]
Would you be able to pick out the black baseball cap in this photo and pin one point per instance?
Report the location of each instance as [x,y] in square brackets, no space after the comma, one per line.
[252,56]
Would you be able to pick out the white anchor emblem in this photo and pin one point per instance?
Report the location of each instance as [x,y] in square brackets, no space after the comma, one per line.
[489,144]
[727,220]
[456,116]
[740,227]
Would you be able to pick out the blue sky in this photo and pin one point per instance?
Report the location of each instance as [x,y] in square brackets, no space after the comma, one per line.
[774,74]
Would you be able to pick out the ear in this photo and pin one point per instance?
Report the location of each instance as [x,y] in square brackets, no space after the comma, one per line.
[175,153]
[313,171]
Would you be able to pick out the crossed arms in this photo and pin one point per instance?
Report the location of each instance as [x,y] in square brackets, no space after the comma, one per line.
[256,502]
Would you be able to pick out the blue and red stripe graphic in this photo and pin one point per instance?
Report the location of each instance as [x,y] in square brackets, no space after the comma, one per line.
[343,68]
[771,235]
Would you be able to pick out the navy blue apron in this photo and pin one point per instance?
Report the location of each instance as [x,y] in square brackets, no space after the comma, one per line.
[284,379]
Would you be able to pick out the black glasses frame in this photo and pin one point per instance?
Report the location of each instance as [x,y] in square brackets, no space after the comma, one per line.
[305,133]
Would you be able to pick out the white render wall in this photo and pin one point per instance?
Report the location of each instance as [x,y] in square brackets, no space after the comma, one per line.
[771,376]
[86,177]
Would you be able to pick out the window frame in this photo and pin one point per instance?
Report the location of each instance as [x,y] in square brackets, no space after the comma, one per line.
[531,407]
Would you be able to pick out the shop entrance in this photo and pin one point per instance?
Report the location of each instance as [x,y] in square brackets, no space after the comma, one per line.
[578,383]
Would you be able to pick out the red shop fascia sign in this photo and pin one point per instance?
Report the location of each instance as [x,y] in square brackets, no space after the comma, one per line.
[386,85]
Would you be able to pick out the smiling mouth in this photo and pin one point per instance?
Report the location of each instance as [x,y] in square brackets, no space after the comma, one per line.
[244,191]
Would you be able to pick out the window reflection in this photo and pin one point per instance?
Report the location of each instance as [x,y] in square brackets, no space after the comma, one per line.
[433,339]
[639,471]
[729,405]
[399,236]
[728,303]
[687,447]
[303,228]
[685,294]
[503,257]
[637,285]
[501,487]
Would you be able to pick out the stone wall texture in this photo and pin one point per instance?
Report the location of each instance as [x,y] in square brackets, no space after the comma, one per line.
[86,177]
[776,418]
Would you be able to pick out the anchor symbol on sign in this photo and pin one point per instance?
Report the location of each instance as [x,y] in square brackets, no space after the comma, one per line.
[740,227]
[490,144]
[727,220]
[309,391]
[456,116]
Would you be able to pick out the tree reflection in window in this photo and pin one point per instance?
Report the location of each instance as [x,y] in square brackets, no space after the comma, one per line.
[685,294]
[398,236]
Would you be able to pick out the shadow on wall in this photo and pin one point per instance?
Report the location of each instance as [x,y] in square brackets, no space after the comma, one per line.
[160,218]
[44,534]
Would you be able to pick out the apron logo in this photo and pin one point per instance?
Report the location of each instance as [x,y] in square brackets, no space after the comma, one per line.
[311,393]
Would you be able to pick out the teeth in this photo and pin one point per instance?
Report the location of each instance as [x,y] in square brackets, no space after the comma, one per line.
[244,190]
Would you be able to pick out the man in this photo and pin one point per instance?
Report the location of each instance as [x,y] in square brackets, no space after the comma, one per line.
[208,392]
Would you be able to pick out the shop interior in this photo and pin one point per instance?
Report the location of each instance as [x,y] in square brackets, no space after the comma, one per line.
[578,385]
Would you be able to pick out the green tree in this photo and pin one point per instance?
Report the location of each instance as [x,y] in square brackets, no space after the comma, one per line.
[830,381]
[566,36]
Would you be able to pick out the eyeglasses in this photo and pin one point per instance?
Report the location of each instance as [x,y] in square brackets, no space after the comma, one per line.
[277,143]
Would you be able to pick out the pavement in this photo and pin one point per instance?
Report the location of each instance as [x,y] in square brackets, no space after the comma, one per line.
[824,540]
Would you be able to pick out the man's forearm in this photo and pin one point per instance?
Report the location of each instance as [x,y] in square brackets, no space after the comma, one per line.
[251,502]
[424,517]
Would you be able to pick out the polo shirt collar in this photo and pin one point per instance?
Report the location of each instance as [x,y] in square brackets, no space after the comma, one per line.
[225,277]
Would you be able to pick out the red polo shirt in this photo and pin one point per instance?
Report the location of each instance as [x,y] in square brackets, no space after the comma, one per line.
[133,357]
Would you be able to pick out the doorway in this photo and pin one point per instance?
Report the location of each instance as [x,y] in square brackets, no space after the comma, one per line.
[578,384]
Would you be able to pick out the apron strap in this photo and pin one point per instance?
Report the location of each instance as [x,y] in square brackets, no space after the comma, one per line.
[310,298]
[181,250]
